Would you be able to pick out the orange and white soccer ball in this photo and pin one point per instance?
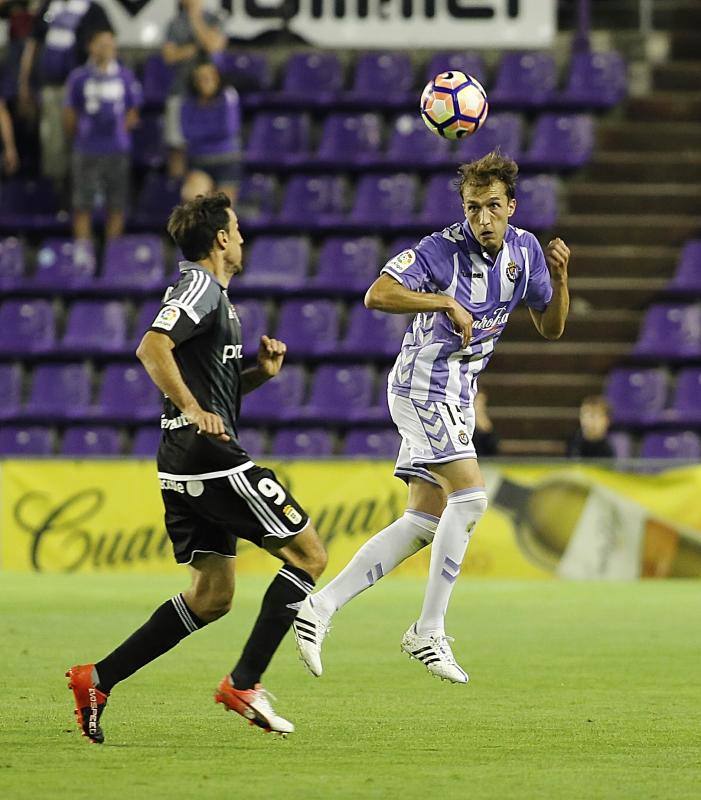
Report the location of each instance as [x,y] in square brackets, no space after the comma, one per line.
[454,105]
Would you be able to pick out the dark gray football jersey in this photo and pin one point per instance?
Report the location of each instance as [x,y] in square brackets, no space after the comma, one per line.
[199,318]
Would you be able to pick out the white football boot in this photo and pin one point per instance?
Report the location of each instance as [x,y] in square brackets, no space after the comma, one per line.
[310,628]
[435,654]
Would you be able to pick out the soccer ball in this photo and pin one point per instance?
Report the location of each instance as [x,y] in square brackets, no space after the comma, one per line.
[454,105]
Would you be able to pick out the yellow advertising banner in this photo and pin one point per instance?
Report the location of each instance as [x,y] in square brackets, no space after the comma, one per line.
[545,520]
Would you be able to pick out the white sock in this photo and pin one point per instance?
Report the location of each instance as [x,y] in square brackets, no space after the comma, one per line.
[376,558]
[457,522]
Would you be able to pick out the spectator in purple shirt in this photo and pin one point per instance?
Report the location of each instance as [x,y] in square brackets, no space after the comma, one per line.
[102,100]
[210,118]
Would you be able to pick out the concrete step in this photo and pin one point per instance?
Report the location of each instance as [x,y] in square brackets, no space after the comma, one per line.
[535,448]
[539,390]
[623,260]
[678,16]
[657,136]
[613,166]
[634,229]
[667,198]
[685,44]
[675,76]
[586,325]
[517,422]
[665,107]
[545,357]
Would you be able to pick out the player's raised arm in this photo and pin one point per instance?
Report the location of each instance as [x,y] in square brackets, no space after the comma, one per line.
[550,323]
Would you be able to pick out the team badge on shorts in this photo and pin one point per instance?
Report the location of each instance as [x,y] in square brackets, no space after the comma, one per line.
[512,271]
[292,514]
[167,317]
[463,438]
[403,261]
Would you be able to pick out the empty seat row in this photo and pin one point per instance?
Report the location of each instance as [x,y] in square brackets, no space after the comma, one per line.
[670,331]
[646,398]
[660,444]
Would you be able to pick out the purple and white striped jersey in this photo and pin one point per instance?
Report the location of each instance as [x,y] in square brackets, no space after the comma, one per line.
[432,364]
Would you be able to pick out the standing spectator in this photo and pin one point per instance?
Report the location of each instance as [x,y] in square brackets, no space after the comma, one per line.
[211,124]
[57,45]
[10,159]
[191,32]
[591,440]
[102,100]
[485,438]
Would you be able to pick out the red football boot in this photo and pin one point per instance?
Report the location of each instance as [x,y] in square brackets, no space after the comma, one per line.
[252,704]
[90,702]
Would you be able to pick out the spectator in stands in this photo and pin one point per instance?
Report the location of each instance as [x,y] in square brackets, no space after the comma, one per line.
[485,438]
[10,159]
[102,100]
[591,440]
[191,32]
[58,44]
[211,125]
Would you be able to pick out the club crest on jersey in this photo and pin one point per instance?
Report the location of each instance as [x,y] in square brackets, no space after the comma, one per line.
[512,271]
[167,317]
[403,261]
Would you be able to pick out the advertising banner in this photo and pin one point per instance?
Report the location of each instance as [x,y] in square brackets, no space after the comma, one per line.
[575,522]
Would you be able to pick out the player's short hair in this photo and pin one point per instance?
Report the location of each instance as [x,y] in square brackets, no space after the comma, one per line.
[597,400]
[193,226]
[492,167]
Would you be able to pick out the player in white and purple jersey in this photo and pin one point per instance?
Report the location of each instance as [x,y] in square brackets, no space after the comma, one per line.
[462,284]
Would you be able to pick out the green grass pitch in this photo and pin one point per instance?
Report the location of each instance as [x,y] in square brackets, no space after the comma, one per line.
[582,690]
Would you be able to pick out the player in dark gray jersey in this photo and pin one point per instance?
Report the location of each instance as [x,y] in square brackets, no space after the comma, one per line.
[212,491]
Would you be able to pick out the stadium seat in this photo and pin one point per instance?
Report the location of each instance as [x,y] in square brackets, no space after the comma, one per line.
[253,441]
[80,440]
[30,205]
[350,140]
[688,274]
[248,72]
[148,147]
[347,264]
[279,140]
[144,317]
[524,80]
[536,207]
[313,201]
[308,327]
[95,327]
[304,443]
[411,145]
[340,394]
[146,440]
[560,141]
[684,445]
[59,392]
[595,80]
[32,440]
[311,79]
[253,315]
[670,332]
[158,196]
[637,396]
[463,61]
[277,399]
[281,262]
[373,333]
[257,201]
[10,390]
[441,205]
[503,130]
[622,444]
[382,79]
[372,443]
[65,264]
[12,267]
[156,80]
[27,326]
[134,262]
[127,394]
[686,405]
[383,201]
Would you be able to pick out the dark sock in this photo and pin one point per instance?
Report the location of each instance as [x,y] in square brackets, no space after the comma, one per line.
[289,587]
[168,624]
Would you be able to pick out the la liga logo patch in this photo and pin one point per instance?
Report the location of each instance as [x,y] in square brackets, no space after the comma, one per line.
[167,317]
[403,261]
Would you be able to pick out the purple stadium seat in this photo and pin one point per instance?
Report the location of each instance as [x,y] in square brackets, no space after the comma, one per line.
[313,201]
[158,196]
[134,262]
[95,327]
[278,140]
[253,441]
[637,396]
[311,79]
[253,315]
[308,327]
[373,333]
[12,271]
[80,440]
[277,261]
[156,80]
[524,80]
[144,317]
[248,72]
[536,207]
[382,79]
[350,139]
[463,61]
[412,144]
[32,440]
[670,331]
[375,443]
[596,80]
[347,264]
[304,443]
[277,399]
[257,201]
[441,205]
[27,326]
[30,205]
[65,264]
[340,394]
[621,443]
[684,445]
[560,141]
[688,274]
[10,390]
[384,200]
[686,406]
[148,148]
[127,393]
[503,130]
[59,391]
[146,441]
